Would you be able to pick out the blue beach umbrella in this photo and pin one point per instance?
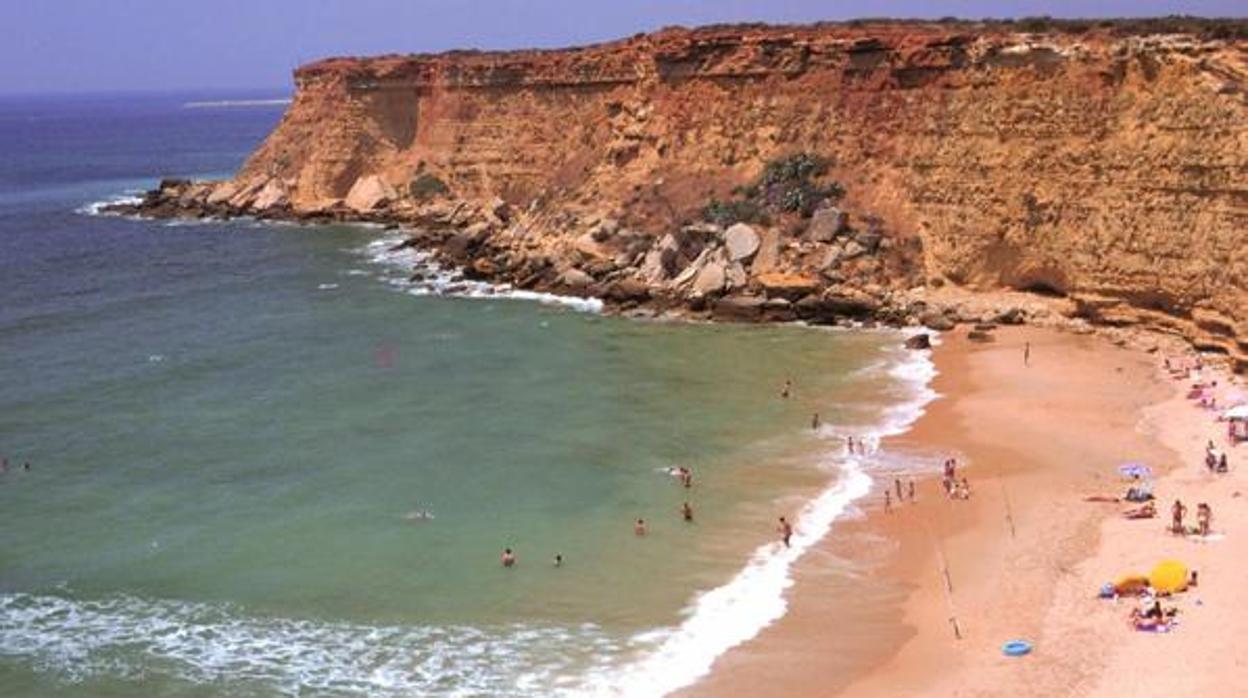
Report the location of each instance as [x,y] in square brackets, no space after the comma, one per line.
[1135,469]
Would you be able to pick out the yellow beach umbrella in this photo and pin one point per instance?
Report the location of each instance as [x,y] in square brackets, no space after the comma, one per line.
[1169,576]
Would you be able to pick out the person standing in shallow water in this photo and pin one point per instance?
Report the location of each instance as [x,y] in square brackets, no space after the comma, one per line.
[911,486]
[786,531]
[639,528]
[814,422]
[787,390]
[686,512]
[558,560]
[508,558]
[1027,354]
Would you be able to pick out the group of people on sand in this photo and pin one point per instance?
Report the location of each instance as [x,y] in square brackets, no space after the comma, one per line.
[1204,519]
[1215,460]
[954,488]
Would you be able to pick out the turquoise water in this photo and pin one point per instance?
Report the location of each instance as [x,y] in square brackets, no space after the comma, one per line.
[234,430]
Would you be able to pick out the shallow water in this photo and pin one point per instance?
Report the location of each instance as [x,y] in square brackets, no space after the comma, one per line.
[263,465]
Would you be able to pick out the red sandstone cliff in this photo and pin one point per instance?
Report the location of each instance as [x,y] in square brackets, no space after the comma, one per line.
[1109,169]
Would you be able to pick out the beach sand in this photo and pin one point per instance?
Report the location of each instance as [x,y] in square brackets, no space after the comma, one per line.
[872,611]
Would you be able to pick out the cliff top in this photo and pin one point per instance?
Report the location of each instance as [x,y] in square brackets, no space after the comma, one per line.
[884,30]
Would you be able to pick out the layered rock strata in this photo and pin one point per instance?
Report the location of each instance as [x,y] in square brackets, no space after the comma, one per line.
[1106,169]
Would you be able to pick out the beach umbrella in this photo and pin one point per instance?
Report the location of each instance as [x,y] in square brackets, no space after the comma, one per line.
[1135,469]
[1168,576]
[1240,412]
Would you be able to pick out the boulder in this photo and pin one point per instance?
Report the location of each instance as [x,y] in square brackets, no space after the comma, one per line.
[850,302]
[626,291]
[919,341]
[738,308]
[936,320]
[784,285]
[273,194]
[778,310]
[735,276]
[694,268]
[741,242]
[979,336]
[576,280]
[768,256]
[710,279]
[481,268]
[222,193]
[825,224]
[660,263]
[500,210]
[1011,316]
[458,247]
[368,193]
[869,241]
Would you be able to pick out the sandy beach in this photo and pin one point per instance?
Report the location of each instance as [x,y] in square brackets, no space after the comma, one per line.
[919,600]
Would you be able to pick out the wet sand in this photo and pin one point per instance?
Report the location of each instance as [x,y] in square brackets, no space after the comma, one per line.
[873,613]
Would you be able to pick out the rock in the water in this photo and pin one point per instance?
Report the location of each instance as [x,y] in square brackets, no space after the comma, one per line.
[850,303]
[1011,316]
[979,336]
[936,320]
[919,341]
[826,224]
[741,242]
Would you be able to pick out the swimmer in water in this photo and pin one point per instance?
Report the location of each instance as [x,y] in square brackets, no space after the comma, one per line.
[509,558]
[814,422]
[558,560]
[686,512]
[639,528]
[787,389]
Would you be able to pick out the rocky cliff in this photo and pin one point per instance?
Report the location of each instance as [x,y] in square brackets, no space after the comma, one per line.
[868,169]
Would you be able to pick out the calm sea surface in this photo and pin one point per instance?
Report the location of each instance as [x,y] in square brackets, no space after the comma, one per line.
[263,465]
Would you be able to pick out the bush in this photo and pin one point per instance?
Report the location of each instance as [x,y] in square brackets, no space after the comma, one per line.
[787,185]
[427,186]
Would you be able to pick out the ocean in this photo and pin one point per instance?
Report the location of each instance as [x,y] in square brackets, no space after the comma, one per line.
[263,462]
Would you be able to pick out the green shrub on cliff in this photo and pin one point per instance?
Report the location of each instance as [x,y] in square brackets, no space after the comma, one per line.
[427,186]
[787,185]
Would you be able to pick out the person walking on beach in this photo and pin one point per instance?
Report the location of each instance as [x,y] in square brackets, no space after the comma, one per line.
[911,486]
[509,558]
[888,502]
[639,528]
[686,512]
[786,531]
[814,422]
[897,486]
[1027,354]
[1204,517]
[1176,512]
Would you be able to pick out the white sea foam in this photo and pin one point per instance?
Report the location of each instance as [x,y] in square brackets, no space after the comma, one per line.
[417,273]
[724,617]
[128,637]
[96,208]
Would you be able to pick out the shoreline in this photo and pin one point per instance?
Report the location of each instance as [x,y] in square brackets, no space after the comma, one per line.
[892,611]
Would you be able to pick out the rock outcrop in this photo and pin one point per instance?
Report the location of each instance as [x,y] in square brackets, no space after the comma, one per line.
[1107,168]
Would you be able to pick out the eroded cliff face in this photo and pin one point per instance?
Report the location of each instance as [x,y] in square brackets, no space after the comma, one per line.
[1112,171]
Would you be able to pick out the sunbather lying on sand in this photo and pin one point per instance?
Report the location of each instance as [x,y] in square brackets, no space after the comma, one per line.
[1147,511]
[1152,617]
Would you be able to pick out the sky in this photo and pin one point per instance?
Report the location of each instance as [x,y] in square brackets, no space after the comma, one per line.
[102,45]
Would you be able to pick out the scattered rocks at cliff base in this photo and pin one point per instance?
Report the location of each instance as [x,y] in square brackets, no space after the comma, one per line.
[937,320]
[786,285]
[919,341]
[739,308]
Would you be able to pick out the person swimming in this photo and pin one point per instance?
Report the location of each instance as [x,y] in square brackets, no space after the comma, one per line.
[558,560]
[639,527]
[686,512]
[787,390]
[508,558]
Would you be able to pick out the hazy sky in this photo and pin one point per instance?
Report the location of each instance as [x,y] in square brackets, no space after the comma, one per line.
[74,45]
